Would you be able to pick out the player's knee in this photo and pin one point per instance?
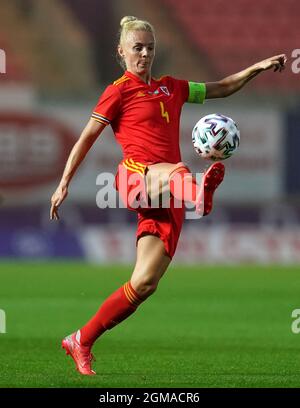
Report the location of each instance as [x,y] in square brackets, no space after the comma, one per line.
[144,287]
[178,168]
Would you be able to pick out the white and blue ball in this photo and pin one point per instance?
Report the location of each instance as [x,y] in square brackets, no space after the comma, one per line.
[215,137]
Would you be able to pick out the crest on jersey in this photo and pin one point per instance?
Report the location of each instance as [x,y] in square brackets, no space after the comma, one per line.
[165,90]
[162,89]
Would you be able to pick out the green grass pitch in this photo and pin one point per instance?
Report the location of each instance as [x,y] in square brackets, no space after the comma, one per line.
[204,327]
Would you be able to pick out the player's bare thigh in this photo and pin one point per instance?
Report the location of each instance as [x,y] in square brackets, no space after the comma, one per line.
[152,262]
[157,179]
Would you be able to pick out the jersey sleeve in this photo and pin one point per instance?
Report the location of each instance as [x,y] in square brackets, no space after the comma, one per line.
[182,88]
[191,92]
[108,106]
[197,92]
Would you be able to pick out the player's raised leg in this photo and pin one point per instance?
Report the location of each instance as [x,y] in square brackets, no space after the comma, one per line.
[178,180]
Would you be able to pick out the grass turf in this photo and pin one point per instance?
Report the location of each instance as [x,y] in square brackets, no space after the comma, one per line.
[204,327]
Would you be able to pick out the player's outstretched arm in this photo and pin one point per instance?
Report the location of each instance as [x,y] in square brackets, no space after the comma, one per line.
[235,82]
[87,138]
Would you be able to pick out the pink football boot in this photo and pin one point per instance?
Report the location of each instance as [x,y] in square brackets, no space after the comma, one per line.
[81,355]
[212,178]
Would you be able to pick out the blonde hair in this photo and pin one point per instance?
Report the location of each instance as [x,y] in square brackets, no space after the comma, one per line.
[131,23]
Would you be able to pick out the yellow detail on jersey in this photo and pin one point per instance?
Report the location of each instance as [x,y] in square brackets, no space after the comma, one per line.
[140,94]
[138,163]
[160,78]
[136,167]
[119,81]
[164,113]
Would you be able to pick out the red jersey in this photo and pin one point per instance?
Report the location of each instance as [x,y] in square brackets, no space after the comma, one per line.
[145,118]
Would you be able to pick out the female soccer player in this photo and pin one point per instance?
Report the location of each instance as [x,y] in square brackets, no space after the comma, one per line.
[144,114]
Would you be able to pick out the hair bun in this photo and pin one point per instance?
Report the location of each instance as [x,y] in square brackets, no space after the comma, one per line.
[127,19]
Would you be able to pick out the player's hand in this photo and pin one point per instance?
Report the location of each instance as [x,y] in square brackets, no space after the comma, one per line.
[277,62]
[56,200]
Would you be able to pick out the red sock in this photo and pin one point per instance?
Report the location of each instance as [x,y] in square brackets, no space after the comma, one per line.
[183,185]
[116,308]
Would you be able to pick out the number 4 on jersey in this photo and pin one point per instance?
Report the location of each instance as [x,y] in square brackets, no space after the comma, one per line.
[164,113]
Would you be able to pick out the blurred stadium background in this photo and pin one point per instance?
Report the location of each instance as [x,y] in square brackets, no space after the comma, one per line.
[60,55]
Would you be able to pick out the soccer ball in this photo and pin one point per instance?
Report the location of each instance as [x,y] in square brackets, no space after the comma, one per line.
[215,137]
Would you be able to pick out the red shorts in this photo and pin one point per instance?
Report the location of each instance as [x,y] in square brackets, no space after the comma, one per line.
[165,223]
